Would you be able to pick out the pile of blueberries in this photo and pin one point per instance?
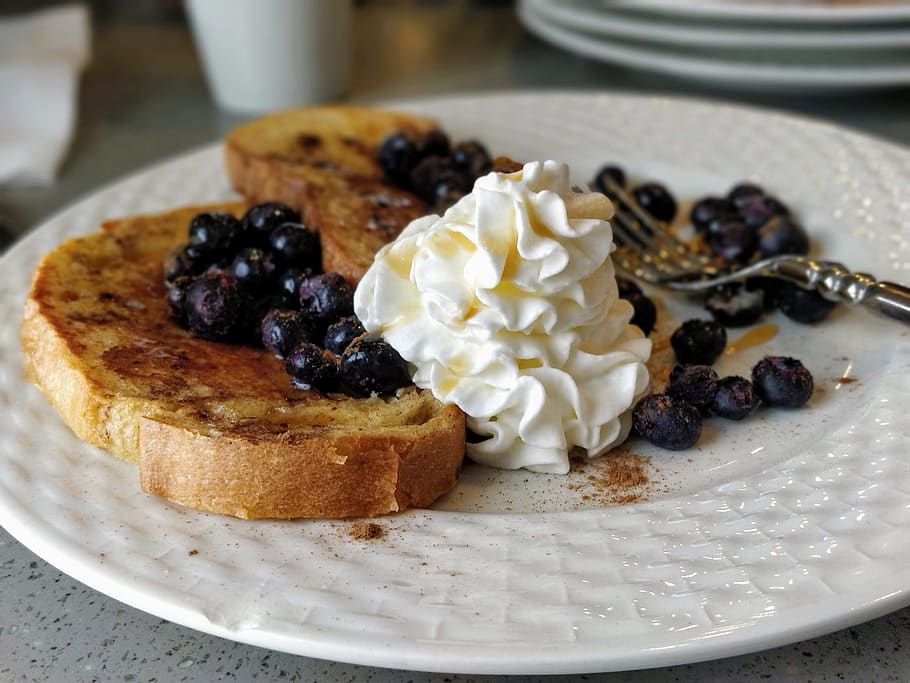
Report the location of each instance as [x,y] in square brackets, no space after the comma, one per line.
[432,168]
[673,419]
[743,226]
[259,280]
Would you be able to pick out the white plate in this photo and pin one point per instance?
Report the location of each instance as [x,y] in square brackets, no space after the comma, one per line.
[805,12]
[763,69]
[592,17]
[785,526]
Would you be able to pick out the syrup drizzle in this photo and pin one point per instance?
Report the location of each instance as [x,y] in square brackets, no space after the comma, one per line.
[754,337]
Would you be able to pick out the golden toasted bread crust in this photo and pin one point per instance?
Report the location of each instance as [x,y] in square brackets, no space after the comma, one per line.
[99,343]
[303,472]
[323,162]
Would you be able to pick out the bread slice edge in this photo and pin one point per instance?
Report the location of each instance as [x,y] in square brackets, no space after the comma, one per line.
[308,473]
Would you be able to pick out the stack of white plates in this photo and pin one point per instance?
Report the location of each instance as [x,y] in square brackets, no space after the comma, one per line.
[818,44]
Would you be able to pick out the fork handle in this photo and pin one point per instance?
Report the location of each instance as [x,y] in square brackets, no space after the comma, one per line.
[836,283]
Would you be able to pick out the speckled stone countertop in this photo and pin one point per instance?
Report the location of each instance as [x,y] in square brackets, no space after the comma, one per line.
[143,99]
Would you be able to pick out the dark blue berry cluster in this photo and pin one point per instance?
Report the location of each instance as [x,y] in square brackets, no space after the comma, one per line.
[740,227]
[259,280]
[745,225]
[222,280]
[432,168]
[673,419]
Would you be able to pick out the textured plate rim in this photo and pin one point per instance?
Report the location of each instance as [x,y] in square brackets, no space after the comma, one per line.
[426,656]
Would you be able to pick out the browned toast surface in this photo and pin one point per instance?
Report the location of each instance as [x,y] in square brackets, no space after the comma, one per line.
[104,298]
[99,343]
[323,162]
[334,139]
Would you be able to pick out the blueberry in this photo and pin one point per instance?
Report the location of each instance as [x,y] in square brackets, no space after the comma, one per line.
[283,330]
[312,368]
[183,261]
[732,241]
[644,311]
[371,366]
[656,200]
[423,176]
[287,287]
[735,398]
[768,286]
[445,197]
[176,298]
[436,143]
[667,422]
[341,333]
[759,210]
[608,177]
[289,280]
[709,210]
[296,245]
[326,298]
[253,267]
[215,232]
[216,307]
[627,287]
[695,384]
[645,314]
[435,176]
[733,305]
[782,235]
[803,305]
[698,342]
[397,155]
[781,381]
[261,219]
[448,190]
[742,193]
[261,301]
[471,157]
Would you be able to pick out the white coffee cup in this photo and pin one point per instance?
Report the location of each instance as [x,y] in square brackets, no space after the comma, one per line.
[262,55]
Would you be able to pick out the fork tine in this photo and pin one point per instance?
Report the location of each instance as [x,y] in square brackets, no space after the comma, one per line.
[642,261]
[652,232]
[647,248]
[636,258]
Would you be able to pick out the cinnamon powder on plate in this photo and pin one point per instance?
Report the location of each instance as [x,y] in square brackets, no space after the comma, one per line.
[367,531]
[616,478]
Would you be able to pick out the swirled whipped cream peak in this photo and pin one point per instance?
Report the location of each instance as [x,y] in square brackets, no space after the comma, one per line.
[507,306]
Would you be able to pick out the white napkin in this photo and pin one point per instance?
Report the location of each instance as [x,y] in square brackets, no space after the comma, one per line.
[41,57]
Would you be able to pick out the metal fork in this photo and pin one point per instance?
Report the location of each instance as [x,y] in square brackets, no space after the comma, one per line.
[649,251]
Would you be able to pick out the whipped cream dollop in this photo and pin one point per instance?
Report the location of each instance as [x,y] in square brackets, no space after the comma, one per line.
[507,306]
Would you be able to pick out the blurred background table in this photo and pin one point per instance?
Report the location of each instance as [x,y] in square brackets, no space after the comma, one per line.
[143,98]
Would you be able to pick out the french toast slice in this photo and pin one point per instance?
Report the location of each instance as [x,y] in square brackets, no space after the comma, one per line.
[217,427]
[323,162]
